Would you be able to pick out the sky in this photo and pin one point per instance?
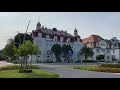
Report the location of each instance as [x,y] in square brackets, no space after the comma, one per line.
[104,24]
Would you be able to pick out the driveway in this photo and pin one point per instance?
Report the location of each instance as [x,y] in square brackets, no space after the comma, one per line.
[76,73]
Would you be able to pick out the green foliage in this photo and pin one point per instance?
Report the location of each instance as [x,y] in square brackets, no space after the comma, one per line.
[99,57]
[19,38]
[1,55]
[48,62]
[14,67]
[28,48]
[56,49]
[9,50]
[89,61]
[86,52]
[65,49]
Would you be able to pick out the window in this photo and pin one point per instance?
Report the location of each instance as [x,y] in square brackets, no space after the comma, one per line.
[113,57]
[108,57]
[107,51]
[102,50]
[98,44]
[102,44]
[97,50]
[91,44]
[113,51]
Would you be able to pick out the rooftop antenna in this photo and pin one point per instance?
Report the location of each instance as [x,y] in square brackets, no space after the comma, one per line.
[26,32]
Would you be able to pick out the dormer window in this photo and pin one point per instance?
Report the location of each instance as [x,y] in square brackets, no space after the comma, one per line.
[98,44]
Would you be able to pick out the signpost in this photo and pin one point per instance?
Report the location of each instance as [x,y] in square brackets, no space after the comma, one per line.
[70,53]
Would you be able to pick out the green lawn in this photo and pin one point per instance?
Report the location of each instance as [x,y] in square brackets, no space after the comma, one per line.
[35,74]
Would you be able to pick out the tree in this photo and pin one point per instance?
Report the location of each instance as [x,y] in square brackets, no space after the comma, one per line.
[1,55]
[99,57]
[10,41]
[18,39]
[56,49]
[28,48]
[65,51]
[9,50]
[86,52]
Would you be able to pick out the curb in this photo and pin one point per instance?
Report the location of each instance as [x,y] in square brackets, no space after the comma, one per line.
[53,72]
[60,75]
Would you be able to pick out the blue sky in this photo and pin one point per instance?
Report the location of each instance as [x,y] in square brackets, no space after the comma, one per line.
[105,24]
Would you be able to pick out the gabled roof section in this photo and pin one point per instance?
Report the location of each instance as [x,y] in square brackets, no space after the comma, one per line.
[92,38]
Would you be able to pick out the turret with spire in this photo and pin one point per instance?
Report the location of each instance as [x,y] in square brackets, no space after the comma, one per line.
[75,32]
[38,25]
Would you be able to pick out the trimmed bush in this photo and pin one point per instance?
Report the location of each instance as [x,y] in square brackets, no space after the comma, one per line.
[90,61]
[25,70]
[99,57]
[48,62]
[110,65]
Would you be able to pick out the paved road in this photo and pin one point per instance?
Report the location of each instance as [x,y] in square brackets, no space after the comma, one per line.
[76,73]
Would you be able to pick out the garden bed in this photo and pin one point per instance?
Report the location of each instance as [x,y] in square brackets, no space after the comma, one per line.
[14,67]
[99,69]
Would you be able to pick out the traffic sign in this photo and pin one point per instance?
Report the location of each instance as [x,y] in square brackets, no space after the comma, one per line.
[70,53]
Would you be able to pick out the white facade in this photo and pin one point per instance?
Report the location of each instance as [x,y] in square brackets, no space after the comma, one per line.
[109,48]
[45,43]
[100,48]
[115,48]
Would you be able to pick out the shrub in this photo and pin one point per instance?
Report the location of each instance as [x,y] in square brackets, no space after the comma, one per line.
[110,65]
[48,62]
[90,61]
[25,70]
[99,57]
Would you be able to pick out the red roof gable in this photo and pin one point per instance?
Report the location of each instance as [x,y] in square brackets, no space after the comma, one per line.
[92,38]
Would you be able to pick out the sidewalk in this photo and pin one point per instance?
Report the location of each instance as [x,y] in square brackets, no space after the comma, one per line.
[4,63]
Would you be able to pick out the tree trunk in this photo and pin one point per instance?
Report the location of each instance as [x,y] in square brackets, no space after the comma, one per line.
[21,63]
[31,60]
[67,59]
[26,62]
[85,57]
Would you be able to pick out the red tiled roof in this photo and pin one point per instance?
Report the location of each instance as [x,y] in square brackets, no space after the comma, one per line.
[92,38]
